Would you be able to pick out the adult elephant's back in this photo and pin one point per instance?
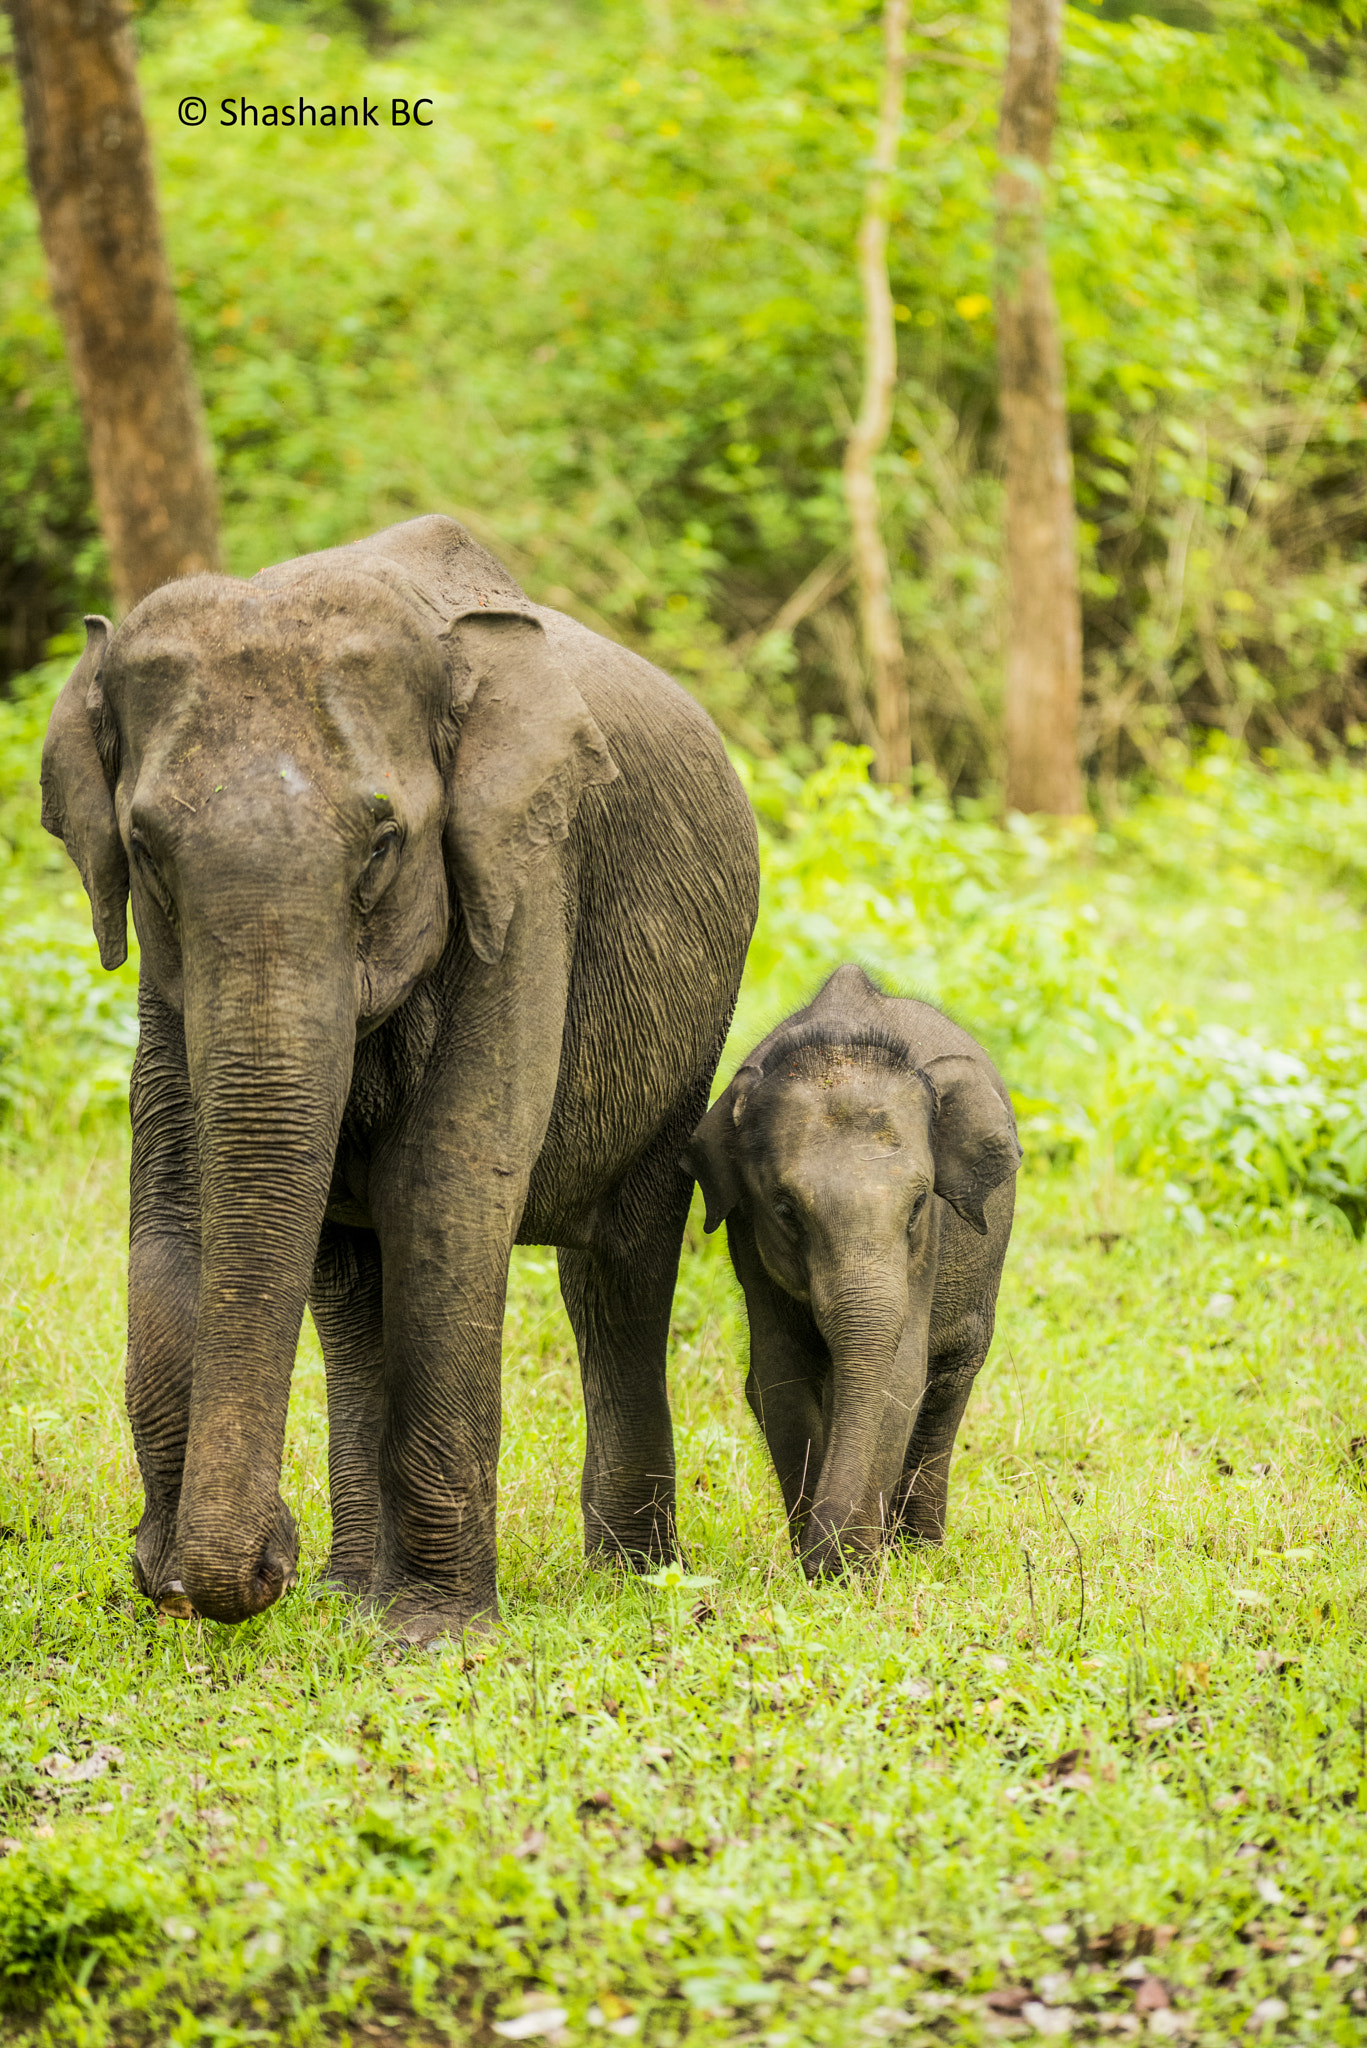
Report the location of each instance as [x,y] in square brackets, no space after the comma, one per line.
[664,880]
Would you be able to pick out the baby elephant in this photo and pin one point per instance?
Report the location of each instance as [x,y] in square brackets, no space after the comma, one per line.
[863,1160]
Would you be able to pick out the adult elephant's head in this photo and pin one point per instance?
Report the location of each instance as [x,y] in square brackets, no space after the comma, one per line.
[301,779]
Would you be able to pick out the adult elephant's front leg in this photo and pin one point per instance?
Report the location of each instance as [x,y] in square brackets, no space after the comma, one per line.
[346,1302]
[447,1192]
[163,1292]
[435,1563]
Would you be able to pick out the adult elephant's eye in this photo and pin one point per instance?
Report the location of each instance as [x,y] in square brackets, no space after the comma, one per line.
[785,1211]
[380,866]
[918,1209]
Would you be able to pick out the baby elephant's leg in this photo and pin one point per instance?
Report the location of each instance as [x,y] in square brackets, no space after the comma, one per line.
[923,1497]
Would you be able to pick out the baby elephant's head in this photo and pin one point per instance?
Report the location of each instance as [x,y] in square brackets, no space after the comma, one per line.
[831,1153]
[834,1150]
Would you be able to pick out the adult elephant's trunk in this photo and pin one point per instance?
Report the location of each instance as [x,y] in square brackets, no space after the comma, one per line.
[270,1033]
[878,1361]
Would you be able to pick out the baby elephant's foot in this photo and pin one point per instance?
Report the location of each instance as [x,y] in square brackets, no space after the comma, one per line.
[920,1521]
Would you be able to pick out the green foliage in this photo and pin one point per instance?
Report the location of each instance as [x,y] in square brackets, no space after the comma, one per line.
[66,1918]
[606,310]
[68,1030]
[1236,1129]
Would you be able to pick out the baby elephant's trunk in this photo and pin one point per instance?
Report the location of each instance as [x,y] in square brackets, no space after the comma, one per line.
[878,1374]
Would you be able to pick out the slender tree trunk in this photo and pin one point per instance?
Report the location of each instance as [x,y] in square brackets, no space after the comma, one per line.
[91,172]
[1044,636]
[882,637]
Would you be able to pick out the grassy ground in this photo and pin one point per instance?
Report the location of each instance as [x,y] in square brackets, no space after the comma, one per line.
[1098,1766]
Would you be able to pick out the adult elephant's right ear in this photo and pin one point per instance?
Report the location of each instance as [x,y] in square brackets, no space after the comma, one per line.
[528,749]
[78,798]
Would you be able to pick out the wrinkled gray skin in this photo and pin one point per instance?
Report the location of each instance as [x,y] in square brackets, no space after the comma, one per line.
[863,1160]
[443,902]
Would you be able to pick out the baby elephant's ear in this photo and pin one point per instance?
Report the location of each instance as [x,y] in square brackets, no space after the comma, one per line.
[708,1157]
[975,1135]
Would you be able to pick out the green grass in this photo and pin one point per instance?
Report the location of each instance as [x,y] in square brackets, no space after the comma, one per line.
[1101,1760]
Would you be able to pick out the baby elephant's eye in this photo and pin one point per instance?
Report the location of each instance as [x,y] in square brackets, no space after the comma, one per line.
[784,1209]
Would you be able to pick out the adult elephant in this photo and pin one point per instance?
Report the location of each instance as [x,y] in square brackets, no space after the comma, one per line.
[443,902]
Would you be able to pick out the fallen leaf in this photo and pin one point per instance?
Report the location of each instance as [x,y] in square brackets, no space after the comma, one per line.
[72,1771]
[549,2019]
[674,1849]
[1009,1999]
[886,2020]
[1048,2019]
[595,1802]
[1152,1995]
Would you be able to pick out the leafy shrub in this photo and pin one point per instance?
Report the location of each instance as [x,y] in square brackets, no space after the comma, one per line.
[1238,1131]
[936,902]
[607,309]
[64,1917]
[68,1030]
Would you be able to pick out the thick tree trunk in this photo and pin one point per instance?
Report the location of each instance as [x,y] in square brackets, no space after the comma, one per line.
[91,172]
[1044,636]
[882,637]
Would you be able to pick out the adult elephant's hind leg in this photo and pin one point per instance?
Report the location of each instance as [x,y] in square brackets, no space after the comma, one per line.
[619,1302]
[347,1304]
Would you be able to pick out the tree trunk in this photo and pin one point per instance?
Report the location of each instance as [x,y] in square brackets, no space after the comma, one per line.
[91,172]
[882,637]
[1044,635]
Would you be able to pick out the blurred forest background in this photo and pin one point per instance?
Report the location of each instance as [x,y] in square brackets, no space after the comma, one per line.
[605,311]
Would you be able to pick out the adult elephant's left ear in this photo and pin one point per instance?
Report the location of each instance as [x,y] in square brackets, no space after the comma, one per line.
[528,749]
[78,796]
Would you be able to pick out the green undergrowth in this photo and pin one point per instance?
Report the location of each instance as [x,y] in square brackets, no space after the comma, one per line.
[1107,1741]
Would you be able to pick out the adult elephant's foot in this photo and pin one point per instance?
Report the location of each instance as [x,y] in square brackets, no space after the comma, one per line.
[421,1617]
[156,1567]
[335,1579]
